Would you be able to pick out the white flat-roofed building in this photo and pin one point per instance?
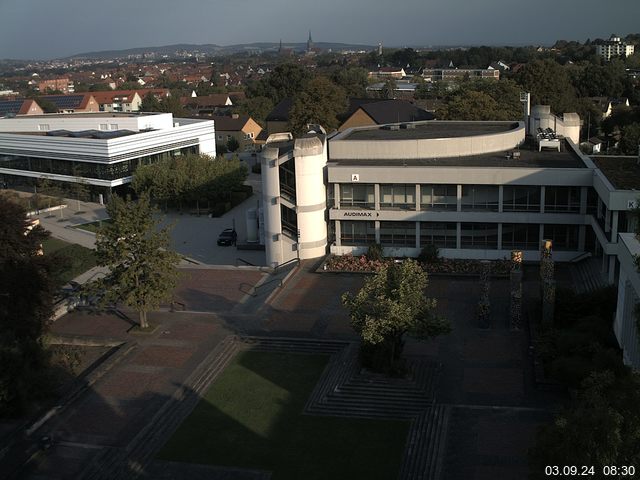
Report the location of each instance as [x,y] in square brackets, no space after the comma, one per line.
[475,190]
[614,47]
[99,149]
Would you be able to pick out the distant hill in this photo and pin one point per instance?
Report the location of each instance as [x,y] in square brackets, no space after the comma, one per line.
[211,49]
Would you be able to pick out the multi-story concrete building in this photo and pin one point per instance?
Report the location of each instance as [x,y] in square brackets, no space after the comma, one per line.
[614,47]
[64,85]
[100,150]
[449,74]
[475,190]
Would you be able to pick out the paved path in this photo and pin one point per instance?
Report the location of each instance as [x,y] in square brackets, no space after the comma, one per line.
[192,236]
[488,408]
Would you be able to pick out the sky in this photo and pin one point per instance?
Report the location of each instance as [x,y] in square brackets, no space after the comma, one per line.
[45,29]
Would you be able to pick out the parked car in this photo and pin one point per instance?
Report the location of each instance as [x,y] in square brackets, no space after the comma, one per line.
[228,237]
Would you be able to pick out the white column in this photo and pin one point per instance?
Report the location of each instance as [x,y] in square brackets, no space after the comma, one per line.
[271,206]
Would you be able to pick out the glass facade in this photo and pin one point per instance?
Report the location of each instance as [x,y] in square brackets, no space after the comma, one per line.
[564,237]
[480,197]
[562,200]
[98,171]
[357,196]
[398,234]
[521,198]
[439,197]
[479,235]
[357,233]
[522,236]
[289,222]
[440,234]
[398,196]
[287,173]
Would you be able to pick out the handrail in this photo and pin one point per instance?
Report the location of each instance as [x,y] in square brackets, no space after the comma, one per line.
[255,288]
[580,257]
[244,261]
[296,260]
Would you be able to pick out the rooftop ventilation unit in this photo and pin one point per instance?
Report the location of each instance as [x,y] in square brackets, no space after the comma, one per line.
[408,126]
[391,127]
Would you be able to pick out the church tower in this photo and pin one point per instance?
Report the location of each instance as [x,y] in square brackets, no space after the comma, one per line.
[309,43]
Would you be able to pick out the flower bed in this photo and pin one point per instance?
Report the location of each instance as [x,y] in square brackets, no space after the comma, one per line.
[361,264]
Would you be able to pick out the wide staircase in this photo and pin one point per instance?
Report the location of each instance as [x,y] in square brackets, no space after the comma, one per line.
[587,275]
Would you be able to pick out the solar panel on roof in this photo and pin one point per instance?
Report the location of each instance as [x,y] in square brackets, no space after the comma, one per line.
[66,101]
[10,106]
[58,133]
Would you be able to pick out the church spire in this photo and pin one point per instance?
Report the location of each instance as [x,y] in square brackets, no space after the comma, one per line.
[309,42]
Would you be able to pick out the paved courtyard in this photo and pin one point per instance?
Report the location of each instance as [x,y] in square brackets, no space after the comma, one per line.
[485,383]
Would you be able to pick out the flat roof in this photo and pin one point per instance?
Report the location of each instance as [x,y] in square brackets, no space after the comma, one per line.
[622,172]
[432,130]
[90,114]
[530,157]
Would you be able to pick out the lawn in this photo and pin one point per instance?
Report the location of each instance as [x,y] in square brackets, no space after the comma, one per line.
[93,226]
[252,418]
[72,259]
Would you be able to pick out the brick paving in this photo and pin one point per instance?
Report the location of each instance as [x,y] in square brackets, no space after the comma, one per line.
[482,368]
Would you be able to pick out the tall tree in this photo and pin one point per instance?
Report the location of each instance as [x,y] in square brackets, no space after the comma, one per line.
[319,103]
[142,268]
[601,427]
[353,80]
[389,306]
[549,84]
[26,299]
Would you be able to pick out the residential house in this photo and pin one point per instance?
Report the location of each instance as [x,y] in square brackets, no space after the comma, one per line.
[118,100]
[241,127]
[76,103]
[63,85]
[369,112]
[27,106]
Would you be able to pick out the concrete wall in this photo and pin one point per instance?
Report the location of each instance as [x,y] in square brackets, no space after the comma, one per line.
[428,148]
[81,122]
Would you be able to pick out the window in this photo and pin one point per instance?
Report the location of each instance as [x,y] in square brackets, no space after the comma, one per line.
[562,199]
[220,137]
[114,126]
[398,196]
[479,235]
[521,199]
[356,196]
[104,126]
[480,197]
[564,237]
[438,197]
[442,235]
[357,233]
[287,172]
[520,236]
[43,127]
[398,234]
[289,222]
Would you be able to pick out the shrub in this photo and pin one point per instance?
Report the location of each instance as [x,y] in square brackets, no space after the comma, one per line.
[256,168]
[429,254]
[375,252]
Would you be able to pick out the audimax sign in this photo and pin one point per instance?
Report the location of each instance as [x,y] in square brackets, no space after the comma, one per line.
[359,214]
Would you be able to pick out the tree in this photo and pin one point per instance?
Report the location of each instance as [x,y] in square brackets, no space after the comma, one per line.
[319,103]
[257,108]
[389,306]
[389,89]
[482,100]
[353,80]
[142,268]
[601,427]
[630,139]
[150,103]
[549,84]
[233,145]
[286,80]
[26,299]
